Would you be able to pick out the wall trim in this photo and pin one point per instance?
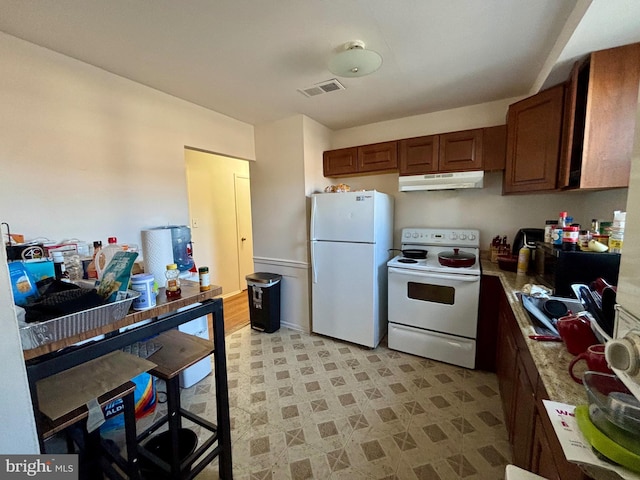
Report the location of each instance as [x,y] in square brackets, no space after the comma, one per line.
[281,262]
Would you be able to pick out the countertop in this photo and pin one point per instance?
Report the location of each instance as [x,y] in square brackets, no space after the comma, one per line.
[190,294]
[551,358]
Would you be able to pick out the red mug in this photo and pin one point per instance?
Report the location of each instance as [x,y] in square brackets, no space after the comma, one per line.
[596,361]
[576,333]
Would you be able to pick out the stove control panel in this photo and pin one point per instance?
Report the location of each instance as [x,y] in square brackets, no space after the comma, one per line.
[439,236]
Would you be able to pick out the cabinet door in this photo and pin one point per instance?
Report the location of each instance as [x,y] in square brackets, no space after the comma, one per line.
[524,408]
[378,157]
[460,151]
[610,116]
[494,146]
[486,341]
[534,126]
[505,365]
[340,162]
[419,155]
[542,462]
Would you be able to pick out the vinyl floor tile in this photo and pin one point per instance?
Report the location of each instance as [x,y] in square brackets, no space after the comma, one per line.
[305,406]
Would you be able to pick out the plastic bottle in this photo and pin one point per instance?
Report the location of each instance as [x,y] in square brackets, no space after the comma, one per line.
[562,220]
[172,289]
[523,260]
[59,267]
[205,283]
[91,268]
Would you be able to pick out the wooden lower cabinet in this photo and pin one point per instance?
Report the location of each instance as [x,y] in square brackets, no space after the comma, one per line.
[542,461]
[534,445]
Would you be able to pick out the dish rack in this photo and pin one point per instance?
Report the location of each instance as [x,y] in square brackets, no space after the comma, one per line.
[37,334]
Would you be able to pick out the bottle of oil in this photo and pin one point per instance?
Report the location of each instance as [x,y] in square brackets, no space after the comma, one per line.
[523,260]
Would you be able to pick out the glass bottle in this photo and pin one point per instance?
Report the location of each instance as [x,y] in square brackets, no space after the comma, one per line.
[172,289]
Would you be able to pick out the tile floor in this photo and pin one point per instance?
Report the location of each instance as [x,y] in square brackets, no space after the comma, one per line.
[304,406]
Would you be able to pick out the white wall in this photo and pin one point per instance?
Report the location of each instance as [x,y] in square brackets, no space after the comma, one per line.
[88,154]
[279,208]
[277,191]
[211,188]
[464,118]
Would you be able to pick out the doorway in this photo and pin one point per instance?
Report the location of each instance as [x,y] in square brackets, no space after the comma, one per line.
[220,217]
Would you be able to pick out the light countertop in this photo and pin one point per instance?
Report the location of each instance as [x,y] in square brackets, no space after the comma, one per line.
[551,358]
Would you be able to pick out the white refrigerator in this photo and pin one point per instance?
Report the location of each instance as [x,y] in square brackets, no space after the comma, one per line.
[351,237]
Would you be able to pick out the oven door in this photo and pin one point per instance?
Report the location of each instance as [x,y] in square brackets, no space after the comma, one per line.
[441,302]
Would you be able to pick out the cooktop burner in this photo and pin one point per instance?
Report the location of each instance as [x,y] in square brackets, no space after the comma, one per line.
[407,260]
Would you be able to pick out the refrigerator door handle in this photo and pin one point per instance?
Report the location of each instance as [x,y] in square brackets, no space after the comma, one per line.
[314,207]
[313,262]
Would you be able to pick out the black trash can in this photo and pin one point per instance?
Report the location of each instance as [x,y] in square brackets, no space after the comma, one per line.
[264,301]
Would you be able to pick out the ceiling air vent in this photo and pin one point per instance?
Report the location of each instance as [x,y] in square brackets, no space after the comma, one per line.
[320,88]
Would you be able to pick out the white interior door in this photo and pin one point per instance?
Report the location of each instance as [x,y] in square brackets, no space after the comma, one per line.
[245,234]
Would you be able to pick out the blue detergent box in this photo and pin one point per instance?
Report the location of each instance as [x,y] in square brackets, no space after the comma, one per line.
[22,283]
[39,269]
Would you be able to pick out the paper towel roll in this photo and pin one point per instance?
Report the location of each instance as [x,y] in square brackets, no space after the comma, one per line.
[157,252]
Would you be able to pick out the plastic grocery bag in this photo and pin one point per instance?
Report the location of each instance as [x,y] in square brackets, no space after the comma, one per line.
[145,402]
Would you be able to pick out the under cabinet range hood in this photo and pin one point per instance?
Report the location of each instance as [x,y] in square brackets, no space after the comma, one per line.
[441,181]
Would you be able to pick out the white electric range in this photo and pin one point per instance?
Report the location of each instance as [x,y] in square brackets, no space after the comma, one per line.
[433,309]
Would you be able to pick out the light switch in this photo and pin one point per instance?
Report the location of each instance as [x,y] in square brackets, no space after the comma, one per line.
[194,223]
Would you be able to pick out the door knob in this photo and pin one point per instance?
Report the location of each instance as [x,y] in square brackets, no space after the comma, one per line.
[243,239]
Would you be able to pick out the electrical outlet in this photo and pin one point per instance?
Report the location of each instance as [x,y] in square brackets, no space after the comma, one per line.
[194,223]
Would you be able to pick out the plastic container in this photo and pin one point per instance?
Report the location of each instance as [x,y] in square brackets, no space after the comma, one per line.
[613,409]
[143,283]
[562,219]
[548,230]
[205,282]
[570,238]
[172,274]
[264,301]
[160,445]
[524,255]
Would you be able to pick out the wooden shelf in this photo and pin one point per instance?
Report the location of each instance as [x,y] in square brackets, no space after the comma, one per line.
[179,351]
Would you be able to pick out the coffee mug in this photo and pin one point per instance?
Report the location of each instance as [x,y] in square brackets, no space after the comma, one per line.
[595,358]
[576,333]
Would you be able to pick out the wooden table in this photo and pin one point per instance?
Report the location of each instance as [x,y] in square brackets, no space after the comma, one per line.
[61,355]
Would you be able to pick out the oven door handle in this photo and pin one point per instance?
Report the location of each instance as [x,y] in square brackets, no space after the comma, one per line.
[457,278]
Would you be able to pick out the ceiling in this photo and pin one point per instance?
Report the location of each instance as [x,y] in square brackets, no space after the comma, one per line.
[248,58]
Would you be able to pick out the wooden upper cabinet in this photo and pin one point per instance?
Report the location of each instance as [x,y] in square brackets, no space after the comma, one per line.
[534,127]
[447,152]
[340,162]
[494,146]
[600,116]
[460,151]
[378,157]
[419,155]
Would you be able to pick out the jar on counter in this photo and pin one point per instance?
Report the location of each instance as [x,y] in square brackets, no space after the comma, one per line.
[570,238]
[172,289]
[548,230]
[583,240]
[205,283]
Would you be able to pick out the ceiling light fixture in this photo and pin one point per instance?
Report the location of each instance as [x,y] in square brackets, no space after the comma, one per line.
[355,61]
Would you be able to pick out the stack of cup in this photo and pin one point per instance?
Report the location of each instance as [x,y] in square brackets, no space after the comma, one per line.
[617,232]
